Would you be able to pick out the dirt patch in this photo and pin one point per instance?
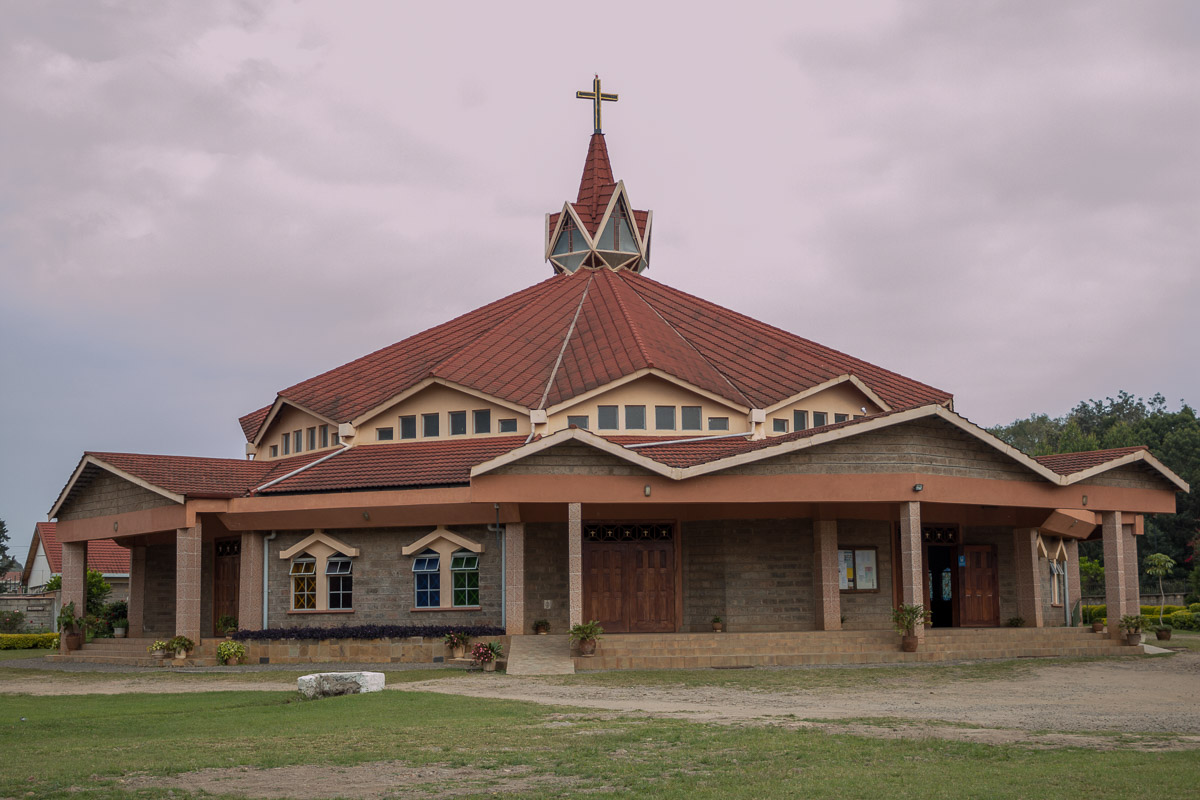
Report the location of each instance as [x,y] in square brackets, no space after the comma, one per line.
[376,779]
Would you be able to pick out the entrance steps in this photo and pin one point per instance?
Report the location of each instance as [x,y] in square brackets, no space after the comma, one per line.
[540,655]
[732,650]
[133,653]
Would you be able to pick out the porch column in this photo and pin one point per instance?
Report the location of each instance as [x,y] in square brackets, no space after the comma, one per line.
[514,577]
[250,587]
[1029,582]
[911,584]
[826,586]
[575,561]
[1074,587]
[74,576]
[1116,588]
[137,591]
[1133,589]
[187,582]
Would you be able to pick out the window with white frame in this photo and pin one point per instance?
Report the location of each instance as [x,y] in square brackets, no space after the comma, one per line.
[304,583]
[1058,574]
[464,571]
[340,583]
[427,579]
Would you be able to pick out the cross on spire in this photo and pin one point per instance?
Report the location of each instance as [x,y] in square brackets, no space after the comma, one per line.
[597,97]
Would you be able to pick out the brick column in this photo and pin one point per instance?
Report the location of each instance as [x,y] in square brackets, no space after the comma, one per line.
[187,582]
[826,584]
[1029,581]
[137,591]
[575,561]
[1074,582]
[514,577]
[250,576]
[74,576]
[911,584]
[1116,594]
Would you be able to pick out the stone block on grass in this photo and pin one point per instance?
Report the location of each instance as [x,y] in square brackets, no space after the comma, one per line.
[333,684]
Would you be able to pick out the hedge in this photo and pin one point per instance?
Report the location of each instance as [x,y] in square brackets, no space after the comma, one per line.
[27,641]
[368,632]
[1147,611]
[1194,608]
[1183,621]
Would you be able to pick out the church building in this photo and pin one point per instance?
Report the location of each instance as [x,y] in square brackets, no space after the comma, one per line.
[602,446]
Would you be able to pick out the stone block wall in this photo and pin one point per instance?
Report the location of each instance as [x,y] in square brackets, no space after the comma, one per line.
[109,494]
[868,611]
[546,576]
[383,581]
[39,610]
[158,609]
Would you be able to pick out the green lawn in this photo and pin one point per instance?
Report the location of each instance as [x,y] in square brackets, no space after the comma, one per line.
[5,655]
[75,746]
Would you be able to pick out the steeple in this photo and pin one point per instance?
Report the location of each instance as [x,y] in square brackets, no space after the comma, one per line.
[601,228]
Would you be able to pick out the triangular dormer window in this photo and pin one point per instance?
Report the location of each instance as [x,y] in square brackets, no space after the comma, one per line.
[618,232]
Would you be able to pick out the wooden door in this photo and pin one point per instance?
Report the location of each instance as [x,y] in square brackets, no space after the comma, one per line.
[227,568]
[629,577]
[980,587]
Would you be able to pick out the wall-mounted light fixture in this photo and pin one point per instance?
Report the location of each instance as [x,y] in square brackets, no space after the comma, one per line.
[1085,499]
[115,522]
[918,487]
[367,515]
[646,490]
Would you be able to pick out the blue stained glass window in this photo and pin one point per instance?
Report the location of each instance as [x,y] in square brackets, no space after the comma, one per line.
[946,584]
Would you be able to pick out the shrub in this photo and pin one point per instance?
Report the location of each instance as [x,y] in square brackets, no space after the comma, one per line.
[1152,611]
[368,632]
[1016,622]
[1194,608]
[12,621]
[98,590]
[27,641]
[1183,621]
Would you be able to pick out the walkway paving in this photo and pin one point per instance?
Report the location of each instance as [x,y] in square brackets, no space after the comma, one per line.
[540,655]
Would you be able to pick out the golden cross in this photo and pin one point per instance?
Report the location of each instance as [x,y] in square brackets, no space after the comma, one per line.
[597,97]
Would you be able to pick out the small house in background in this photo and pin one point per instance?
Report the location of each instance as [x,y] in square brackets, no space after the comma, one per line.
[45,561]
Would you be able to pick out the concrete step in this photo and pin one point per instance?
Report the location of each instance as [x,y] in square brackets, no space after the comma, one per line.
[540,655]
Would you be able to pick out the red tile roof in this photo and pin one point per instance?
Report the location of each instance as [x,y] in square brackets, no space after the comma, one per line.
[400,465]
[253,421]
[203,477]
[104,555]
[626,322]
[1070,463]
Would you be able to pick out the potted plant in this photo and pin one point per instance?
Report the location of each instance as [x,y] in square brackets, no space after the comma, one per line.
[1132,625]
[486,653]
[718,624]
[120,626]
[227,624]
[541,626]
[1160,566]
[159,649]
[1016,622]
[1163,632]
[586,634]
[230,652]
[905,619]
[70,628]
[182,645]
[456,643]
[1098,624]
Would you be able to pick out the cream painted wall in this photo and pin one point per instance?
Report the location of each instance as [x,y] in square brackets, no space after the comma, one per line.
[844,398]
[40,572]
[441,400]
[651,391]
[291,419]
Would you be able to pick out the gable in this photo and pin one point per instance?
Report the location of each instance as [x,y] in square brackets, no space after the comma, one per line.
[928,445]
[842,396]
[106,493]
[648,390]
[440,399]
[1138,475]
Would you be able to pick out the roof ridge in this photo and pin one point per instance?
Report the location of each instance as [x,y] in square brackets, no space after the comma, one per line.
[687,341]
[566,340]
[637,334]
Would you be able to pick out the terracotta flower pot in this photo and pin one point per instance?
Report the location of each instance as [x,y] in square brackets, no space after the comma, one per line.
[1163,636]
[718,626]
[1133,639]
[587,647]
[72,641]
[909,643]
[489,666]
[1097,627]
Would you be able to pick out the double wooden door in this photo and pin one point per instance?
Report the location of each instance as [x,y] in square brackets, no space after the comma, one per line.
[629,583]
[980,589]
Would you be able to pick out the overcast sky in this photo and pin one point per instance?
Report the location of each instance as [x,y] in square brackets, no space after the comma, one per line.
[203,203]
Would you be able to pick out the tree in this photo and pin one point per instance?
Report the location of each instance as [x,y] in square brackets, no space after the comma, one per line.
[98,590]
[1091,575]
[7,562]
[1160,566]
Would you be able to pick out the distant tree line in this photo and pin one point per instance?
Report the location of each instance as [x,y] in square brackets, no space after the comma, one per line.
[1174,439]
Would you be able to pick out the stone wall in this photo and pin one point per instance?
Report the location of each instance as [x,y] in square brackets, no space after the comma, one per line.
[1131,476]
[868,611]
[383,581]
[571,458]
[929,446]
[546,576]
[414,650]
[159,599]
[39,610]
[109,494]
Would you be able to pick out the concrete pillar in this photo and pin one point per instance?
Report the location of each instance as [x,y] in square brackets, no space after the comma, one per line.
[137,592]
[514,577]
[1029,577]
[187,582]
[575,561]
[250,577]
[74,576]
[826,584]
[1074,582]
[1116,588]
[1133,588]
[911,582]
